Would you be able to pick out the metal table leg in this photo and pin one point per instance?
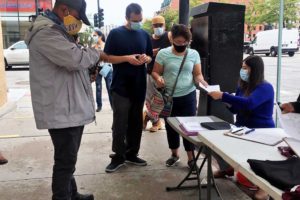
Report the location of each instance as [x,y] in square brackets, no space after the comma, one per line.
[188,176]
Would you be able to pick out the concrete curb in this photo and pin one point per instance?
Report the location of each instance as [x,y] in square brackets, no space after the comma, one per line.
[7,107]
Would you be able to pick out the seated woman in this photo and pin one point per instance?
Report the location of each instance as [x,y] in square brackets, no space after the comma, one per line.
[253,105]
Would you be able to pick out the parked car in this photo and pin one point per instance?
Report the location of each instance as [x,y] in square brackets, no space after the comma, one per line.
[16,54]
[266,42]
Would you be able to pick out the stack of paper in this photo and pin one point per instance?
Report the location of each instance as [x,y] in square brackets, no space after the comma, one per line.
[191,127]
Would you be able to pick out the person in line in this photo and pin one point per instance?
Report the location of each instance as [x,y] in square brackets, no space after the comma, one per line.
[3,160]
[291,107]
[61,91]
[165,71]
[129,49]
[253,105]
[160,39]
[99,41]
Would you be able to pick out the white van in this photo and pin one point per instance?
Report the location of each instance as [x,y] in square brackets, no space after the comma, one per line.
[266,42]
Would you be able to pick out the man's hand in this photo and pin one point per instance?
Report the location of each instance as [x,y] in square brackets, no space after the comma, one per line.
[103,56]
[287,108]
[160,82]
[216,95]
[155,51]
[144,58]
[134,59]
[94,76]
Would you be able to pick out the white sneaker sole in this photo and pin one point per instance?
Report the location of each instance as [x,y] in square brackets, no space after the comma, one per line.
[115,169]
[175,163]
[134,163]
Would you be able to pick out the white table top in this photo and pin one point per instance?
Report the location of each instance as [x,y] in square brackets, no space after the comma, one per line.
[236,152]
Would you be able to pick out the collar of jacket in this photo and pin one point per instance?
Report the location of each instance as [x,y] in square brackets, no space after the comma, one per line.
[51,15]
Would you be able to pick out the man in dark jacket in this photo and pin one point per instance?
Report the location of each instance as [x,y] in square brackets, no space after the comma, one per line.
[129,49]
[291,107]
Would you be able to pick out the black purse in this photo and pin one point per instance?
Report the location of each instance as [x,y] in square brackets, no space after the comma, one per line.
[168,99]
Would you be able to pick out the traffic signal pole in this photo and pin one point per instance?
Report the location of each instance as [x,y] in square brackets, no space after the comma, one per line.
[184,11]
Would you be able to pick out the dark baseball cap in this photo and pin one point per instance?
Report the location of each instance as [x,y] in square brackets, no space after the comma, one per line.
[79,6]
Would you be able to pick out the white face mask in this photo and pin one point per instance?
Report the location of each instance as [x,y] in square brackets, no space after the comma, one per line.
[95,39]
[136,25]
[159,31]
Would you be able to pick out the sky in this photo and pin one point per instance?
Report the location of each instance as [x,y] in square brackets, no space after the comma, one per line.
[114,10]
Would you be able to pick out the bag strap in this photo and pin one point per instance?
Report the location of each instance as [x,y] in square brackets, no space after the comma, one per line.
[180,69]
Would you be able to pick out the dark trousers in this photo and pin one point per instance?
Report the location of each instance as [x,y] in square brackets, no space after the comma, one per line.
[127,126]
[98,81]
[182,106]
[66,144]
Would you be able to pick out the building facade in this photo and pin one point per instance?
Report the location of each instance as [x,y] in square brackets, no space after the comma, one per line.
[15,16]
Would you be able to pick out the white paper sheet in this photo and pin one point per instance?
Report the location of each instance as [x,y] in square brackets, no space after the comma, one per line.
[269,136]
[192,124]
[210,88]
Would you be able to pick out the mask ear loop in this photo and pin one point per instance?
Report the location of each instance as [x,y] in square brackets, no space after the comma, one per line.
[68,13]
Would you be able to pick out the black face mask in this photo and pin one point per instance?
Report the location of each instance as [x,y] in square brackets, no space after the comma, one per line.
[179,49]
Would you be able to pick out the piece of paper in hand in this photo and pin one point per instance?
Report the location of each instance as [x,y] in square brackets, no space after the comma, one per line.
[210,88]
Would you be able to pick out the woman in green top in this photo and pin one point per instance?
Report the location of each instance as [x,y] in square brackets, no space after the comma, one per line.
[164,73]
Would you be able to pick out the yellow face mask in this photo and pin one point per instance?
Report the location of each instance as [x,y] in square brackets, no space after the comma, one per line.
[72,24]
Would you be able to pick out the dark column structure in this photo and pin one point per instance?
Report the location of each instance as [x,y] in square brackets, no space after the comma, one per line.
[218,32]
[184,10]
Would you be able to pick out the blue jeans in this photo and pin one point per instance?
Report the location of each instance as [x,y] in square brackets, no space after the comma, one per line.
[107,79]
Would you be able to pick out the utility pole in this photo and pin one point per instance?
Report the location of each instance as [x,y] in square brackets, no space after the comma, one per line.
[98,6]
[184,11]
[36,8]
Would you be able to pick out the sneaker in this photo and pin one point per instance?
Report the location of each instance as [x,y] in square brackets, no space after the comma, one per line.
[79,196]
[172,161]
[136,161]
[156,126]
[145,119]
[192,166]
[114,165]
[223,173]
[98,110]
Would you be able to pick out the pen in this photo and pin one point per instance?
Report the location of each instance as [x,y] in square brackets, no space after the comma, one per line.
[249,131]
[236,130]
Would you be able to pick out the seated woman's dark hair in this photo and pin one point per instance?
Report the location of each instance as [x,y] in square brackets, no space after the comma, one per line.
[256,76]
[181,30]
[100,34]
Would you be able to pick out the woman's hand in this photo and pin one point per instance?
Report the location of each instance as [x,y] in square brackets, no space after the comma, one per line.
[203,82]
[216,95]
[287,108]
[160,82]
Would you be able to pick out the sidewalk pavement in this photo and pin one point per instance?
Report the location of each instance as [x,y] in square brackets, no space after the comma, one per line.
[27,176]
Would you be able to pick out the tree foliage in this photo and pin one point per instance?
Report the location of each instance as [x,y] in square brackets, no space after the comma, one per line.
[267,12]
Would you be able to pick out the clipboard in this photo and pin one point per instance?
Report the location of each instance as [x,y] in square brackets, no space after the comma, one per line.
[266,136]
[294,144]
